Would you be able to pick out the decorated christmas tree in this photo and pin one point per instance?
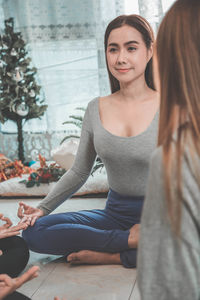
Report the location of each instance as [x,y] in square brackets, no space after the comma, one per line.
[19,92]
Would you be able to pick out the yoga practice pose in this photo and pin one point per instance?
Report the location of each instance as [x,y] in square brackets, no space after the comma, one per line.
[169,246]
[122,130]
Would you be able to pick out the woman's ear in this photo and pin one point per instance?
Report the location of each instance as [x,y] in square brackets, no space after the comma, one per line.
[150,52]
[156,77]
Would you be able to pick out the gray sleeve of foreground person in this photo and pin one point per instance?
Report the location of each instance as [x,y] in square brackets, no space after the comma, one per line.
[73,179]
[169,268]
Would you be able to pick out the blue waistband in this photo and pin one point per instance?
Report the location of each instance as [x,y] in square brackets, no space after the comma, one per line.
[112,195]
[124,205]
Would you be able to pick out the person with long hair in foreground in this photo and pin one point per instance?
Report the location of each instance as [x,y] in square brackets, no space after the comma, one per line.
[121,129]
[169,246]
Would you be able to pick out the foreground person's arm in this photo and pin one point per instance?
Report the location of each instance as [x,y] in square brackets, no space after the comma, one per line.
[8,285]
[168,267]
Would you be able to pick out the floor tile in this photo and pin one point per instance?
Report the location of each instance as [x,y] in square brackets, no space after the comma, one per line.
[135,295]
[87,283]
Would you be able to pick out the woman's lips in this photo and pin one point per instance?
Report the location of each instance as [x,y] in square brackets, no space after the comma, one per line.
[123,70]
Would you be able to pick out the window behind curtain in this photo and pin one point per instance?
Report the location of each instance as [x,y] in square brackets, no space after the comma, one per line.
[65,41]
[62,40]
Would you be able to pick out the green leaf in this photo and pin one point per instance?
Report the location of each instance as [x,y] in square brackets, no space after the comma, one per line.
[96,167]
[79,118]
[36,111]
[30,183]
[23,181]
[81,108]
[34,175]
[77,124]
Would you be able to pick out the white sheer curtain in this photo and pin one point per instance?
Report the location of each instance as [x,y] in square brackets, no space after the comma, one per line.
[63,39]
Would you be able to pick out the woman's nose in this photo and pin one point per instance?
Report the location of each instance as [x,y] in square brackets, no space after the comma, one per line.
[122,58]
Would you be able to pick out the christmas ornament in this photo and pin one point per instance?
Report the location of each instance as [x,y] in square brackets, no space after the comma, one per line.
[32,93]
[2,63]
[21,109]
[5,47]
[18,75]
[13,52]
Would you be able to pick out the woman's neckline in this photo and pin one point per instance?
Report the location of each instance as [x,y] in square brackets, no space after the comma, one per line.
[118,136]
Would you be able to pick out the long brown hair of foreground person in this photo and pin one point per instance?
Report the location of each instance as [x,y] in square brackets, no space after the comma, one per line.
[141,25]
[178,54]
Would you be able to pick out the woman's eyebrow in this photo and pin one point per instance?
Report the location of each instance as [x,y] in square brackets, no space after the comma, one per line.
[127,43]
[113,44]
[131,42]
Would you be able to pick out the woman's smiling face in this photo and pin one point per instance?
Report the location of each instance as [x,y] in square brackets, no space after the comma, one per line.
[127,54]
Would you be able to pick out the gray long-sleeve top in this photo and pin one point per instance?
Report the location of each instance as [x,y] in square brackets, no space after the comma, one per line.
[168,267]
[126,159]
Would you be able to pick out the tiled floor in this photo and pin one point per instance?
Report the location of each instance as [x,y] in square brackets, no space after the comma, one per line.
[110,282]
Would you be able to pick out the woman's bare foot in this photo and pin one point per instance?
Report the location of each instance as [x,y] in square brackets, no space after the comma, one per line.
[94,258]
[133,238]
[1,252]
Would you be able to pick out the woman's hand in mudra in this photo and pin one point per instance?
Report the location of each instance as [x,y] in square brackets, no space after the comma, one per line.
[7,230]
[28,214]
[8,285]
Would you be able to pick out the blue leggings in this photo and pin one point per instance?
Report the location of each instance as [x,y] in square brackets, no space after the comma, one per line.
[104,230]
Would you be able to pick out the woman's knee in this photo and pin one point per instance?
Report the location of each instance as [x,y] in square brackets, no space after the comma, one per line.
[33,236]
[26,234]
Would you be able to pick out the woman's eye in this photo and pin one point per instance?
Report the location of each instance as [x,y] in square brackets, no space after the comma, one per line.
[132,48]
[112,50]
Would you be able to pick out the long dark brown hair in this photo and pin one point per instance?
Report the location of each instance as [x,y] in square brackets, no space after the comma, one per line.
[140,24]
[178,54]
